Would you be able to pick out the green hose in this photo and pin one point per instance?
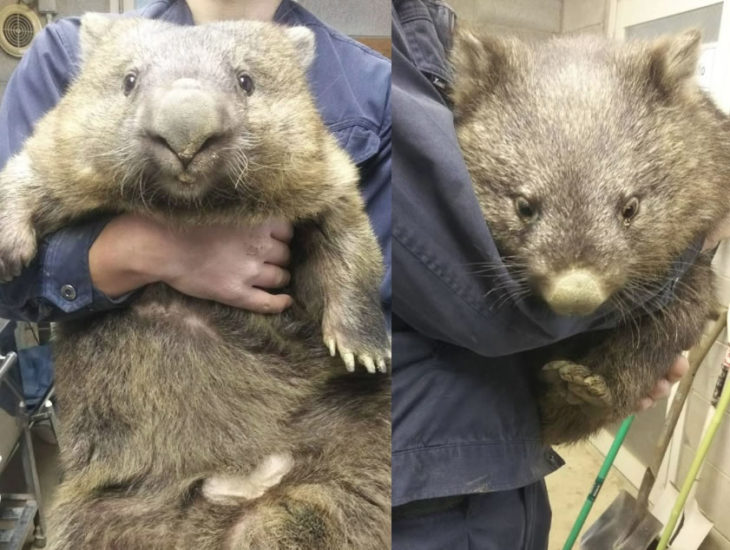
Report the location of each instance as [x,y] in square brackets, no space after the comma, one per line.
[603,472]
[694,468]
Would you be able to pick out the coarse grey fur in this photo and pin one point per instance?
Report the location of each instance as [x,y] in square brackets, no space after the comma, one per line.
[596,165]
[188,424]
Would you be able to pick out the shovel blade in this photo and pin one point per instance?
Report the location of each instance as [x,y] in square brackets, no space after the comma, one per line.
[621,527]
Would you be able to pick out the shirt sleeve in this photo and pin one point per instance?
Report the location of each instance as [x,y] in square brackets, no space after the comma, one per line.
[57,284]
[376,190]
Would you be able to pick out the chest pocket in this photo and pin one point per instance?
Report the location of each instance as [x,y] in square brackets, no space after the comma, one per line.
[358,138]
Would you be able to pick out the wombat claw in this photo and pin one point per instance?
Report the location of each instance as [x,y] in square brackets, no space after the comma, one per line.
[371,364]
[577,384]
[17,253]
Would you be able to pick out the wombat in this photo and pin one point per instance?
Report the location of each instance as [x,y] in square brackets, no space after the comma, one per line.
[188,424]
[596,166]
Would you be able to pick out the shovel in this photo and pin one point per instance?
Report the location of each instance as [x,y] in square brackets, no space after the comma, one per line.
[627,523]
[720,403]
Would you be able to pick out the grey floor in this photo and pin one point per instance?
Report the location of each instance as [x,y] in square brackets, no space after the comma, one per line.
[569,486]
[48,472]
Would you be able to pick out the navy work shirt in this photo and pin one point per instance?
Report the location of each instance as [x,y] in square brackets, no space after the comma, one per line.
[351,85]
[465,416]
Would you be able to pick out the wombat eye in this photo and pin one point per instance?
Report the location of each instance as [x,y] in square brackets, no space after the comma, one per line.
[629,210]
[246,83]
[525,209]
[130,81]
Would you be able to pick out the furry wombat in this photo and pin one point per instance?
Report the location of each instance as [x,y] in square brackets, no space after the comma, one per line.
[186,423]
[596,165]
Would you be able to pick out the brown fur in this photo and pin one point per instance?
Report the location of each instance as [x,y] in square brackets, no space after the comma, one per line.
[159,398]
[577,127]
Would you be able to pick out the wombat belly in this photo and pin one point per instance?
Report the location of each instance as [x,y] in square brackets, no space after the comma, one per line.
[175,387]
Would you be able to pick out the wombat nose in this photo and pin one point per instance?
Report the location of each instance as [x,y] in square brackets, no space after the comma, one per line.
[575,292]
[186,119]
[184,154]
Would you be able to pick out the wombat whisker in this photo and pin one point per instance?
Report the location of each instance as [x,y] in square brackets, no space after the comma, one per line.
[508,293]
[627,319]
[504,260]
[498,268]
[272,166]
[511,297]
[504,286]
[242,163]
[115,152]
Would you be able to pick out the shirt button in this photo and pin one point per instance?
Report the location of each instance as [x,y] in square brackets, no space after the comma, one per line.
[68,292]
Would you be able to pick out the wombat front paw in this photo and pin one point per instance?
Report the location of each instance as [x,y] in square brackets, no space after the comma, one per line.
[358,339]
[17,249]
[574,402]
[372,353]
[576,384]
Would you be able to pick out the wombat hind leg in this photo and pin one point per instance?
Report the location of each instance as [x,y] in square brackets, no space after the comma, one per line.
[232,490]
[304,518]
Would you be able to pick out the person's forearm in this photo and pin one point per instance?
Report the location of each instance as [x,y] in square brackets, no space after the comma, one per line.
[227,264]
[57,285]
[131,252]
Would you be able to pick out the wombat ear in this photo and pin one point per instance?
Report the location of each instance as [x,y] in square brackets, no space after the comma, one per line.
[304,44]
[94,27]
[477,63]
[674,60]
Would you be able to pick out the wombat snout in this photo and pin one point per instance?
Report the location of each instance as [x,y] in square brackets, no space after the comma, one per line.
[185,119]
[575,292]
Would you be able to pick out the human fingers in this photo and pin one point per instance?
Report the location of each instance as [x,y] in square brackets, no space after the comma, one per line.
[660,390]
[678,369]
[722,231]
[281,229]
[277,253]
[271,276]
[644,404]
[260,301]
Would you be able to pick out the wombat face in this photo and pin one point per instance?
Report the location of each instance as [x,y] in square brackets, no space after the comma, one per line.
[595,164]
[184,117]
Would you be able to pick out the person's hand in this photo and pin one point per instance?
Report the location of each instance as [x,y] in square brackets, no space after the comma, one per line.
[661,390]
[231,265]
[720,232]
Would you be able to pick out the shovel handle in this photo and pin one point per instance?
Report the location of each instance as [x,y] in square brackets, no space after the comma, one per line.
[696,356]
[699,458]
[605,467]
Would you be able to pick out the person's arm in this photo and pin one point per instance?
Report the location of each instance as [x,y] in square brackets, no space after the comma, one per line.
[230,265]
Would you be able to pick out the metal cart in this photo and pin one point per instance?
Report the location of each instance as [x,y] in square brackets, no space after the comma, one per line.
[21,514]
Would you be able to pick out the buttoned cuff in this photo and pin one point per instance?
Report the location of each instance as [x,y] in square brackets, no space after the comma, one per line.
[65,278]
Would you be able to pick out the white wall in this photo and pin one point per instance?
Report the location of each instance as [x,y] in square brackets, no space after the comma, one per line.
[584,16]
[526,18]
